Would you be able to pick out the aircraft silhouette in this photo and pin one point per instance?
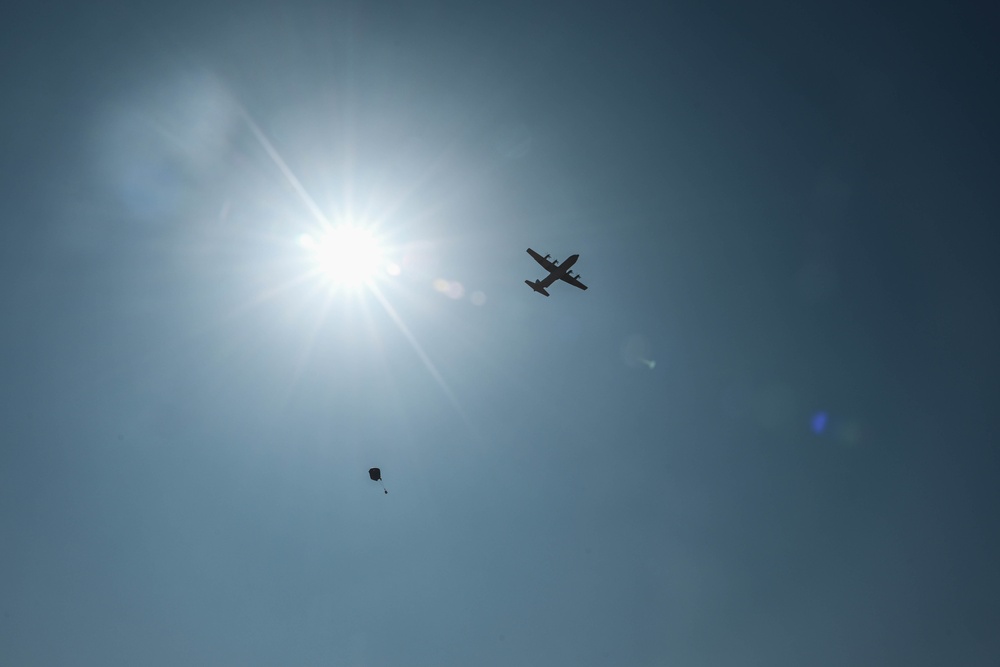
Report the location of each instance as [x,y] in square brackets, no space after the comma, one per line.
[556,272]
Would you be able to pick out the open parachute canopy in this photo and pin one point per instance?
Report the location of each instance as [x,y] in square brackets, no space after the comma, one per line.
[376,476]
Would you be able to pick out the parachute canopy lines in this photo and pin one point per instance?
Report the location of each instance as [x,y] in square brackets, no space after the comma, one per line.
[376,476]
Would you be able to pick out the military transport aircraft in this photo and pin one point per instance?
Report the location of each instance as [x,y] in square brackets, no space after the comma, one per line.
[556,272]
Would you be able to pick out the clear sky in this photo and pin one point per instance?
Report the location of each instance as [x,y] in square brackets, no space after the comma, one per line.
[766,435]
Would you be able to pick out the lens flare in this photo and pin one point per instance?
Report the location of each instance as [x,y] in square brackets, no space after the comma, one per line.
[819,422]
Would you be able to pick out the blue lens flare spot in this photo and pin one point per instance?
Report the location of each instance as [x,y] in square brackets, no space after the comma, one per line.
[819,422]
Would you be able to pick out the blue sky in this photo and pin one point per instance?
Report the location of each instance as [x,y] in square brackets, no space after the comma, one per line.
[764,435]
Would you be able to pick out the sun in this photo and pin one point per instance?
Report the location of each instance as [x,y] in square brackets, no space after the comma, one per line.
[348,255]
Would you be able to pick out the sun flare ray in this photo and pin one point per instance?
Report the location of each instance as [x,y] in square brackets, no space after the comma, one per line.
[286,171]
[422,355]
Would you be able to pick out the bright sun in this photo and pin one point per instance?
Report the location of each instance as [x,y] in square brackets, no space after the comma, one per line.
[348,255]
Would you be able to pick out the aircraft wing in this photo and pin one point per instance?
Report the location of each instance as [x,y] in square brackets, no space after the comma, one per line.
[546,264]
[573,281]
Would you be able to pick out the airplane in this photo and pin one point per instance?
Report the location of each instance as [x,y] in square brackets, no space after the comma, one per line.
[556,272]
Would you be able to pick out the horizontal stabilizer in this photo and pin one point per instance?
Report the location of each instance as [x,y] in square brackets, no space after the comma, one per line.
[536,286]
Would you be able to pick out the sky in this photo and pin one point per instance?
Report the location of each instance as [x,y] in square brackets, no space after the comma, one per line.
[765,435]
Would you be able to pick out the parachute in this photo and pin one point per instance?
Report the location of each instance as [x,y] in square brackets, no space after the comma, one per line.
[376,476]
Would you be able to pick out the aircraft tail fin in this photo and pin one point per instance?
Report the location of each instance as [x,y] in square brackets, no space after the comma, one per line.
[536,286]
